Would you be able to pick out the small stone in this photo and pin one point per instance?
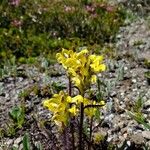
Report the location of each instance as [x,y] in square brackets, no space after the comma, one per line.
[109,139]
[147,104]
[9,142]
[141,46]
[148,143]
[129,130]
[21,147]
[121,124]
[134,80]
[125,135]
[113,93]
[18,140]
[124,130]
[16,146]
[125,68]
[146,134]
[137,139]
[128,143]
[145,115]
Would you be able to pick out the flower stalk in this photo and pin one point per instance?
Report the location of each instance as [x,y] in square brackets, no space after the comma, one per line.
[72,119]
[81,142]
[90,139]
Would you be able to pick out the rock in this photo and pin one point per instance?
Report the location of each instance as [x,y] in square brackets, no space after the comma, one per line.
[143,56]
[9,142]
[128,143]
[18,141]
[16,146]
[113,93]
[146,134]
[109,139]
[134,80]
[121,124]
[147,104]
[148,143]
[137,139]
[21,147]
[124,130]
[125,135]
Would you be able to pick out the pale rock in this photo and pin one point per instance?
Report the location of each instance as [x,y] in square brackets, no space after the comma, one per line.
[147,104]
[137,139]
[18,140]
[146,134]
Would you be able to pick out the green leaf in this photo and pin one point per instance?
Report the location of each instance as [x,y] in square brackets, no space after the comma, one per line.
[14,113]
[39,146]
[14,148]
[97,114]
[140,119]
[138,105]
[17,115]
[26,142]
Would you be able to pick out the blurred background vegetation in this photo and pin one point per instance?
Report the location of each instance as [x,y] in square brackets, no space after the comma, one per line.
[42,27]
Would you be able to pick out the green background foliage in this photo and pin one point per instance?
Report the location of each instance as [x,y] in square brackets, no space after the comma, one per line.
[44,26]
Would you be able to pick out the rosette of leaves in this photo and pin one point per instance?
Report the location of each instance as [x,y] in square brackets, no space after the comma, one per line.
[17,114]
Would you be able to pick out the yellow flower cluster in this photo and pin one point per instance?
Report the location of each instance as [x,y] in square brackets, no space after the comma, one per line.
[81,66]
[60,104]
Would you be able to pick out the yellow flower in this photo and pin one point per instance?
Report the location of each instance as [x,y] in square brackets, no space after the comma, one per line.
[97,137]
[51,106]
[64,56]
[60,119]
[94,58]
[97,67]
[101,103]
[59,105]
[84,71]
[69,99]
[90,112]
[96,63]
[82,52]
[77,82]
[93,79]
[72,72]
[73,110]
[77,99]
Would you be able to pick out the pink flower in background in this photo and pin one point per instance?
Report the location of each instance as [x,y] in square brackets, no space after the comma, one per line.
[90,8]
[68,8]
[15,2]
[110,8]
[94,15]
[16,23]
